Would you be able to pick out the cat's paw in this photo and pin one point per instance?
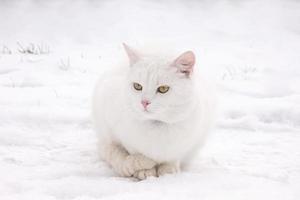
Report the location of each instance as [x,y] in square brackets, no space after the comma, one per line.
[135,163]
[167,168]
[145,173]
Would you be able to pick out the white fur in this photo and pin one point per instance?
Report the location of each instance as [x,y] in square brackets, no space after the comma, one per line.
[173,129]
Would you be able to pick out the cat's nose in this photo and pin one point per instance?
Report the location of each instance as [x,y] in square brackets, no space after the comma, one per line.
[145,103]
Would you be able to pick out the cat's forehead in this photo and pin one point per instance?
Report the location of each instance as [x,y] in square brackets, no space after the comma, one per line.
[153,63]
[153,70]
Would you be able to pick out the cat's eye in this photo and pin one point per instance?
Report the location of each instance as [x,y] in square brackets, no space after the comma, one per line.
[163,89]
[137,86]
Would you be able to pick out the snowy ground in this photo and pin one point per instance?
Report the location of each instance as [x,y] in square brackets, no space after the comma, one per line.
[251,49]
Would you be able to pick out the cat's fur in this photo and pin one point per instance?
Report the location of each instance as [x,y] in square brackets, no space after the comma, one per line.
[143,143]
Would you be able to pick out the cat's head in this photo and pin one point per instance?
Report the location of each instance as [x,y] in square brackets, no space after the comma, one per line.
[160,89]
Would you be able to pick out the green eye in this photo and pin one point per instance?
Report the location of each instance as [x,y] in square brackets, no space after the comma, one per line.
[137,86]
[163,89]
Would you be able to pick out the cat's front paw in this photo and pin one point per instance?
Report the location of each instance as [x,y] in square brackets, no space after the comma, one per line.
[168,168]
[135,163]
[145,173]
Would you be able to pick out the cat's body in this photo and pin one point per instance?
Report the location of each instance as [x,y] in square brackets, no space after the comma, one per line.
[158,136]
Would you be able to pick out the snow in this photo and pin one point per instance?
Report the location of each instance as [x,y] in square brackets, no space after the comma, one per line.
[249,48]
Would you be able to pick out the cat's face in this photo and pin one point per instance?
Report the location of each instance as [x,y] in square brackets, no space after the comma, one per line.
[160,89]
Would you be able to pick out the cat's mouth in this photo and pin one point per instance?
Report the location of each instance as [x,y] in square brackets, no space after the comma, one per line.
[146,111]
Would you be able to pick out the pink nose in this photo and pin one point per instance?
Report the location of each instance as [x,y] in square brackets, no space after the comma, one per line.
[145,103]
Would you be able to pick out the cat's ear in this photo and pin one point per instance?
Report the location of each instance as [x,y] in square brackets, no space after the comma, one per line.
[185,62]
[132,54]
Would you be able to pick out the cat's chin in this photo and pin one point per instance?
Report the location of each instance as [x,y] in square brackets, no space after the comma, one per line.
[155,118]
[147,115]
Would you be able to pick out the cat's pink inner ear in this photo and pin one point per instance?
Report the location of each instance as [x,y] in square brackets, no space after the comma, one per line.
[132,55]
[185,62]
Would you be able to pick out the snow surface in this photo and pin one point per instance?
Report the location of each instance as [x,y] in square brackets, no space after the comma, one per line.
[51,53]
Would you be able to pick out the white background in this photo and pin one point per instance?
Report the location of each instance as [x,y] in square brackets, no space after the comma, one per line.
[51,53]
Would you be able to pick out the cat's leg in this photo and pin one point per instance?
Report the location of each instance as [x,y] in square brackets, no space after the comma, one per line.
[145,173]
[124,163]
[168,168]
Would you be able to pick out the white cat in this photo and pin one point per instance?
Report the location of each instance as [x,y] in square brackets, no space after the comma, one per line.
[152,117]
